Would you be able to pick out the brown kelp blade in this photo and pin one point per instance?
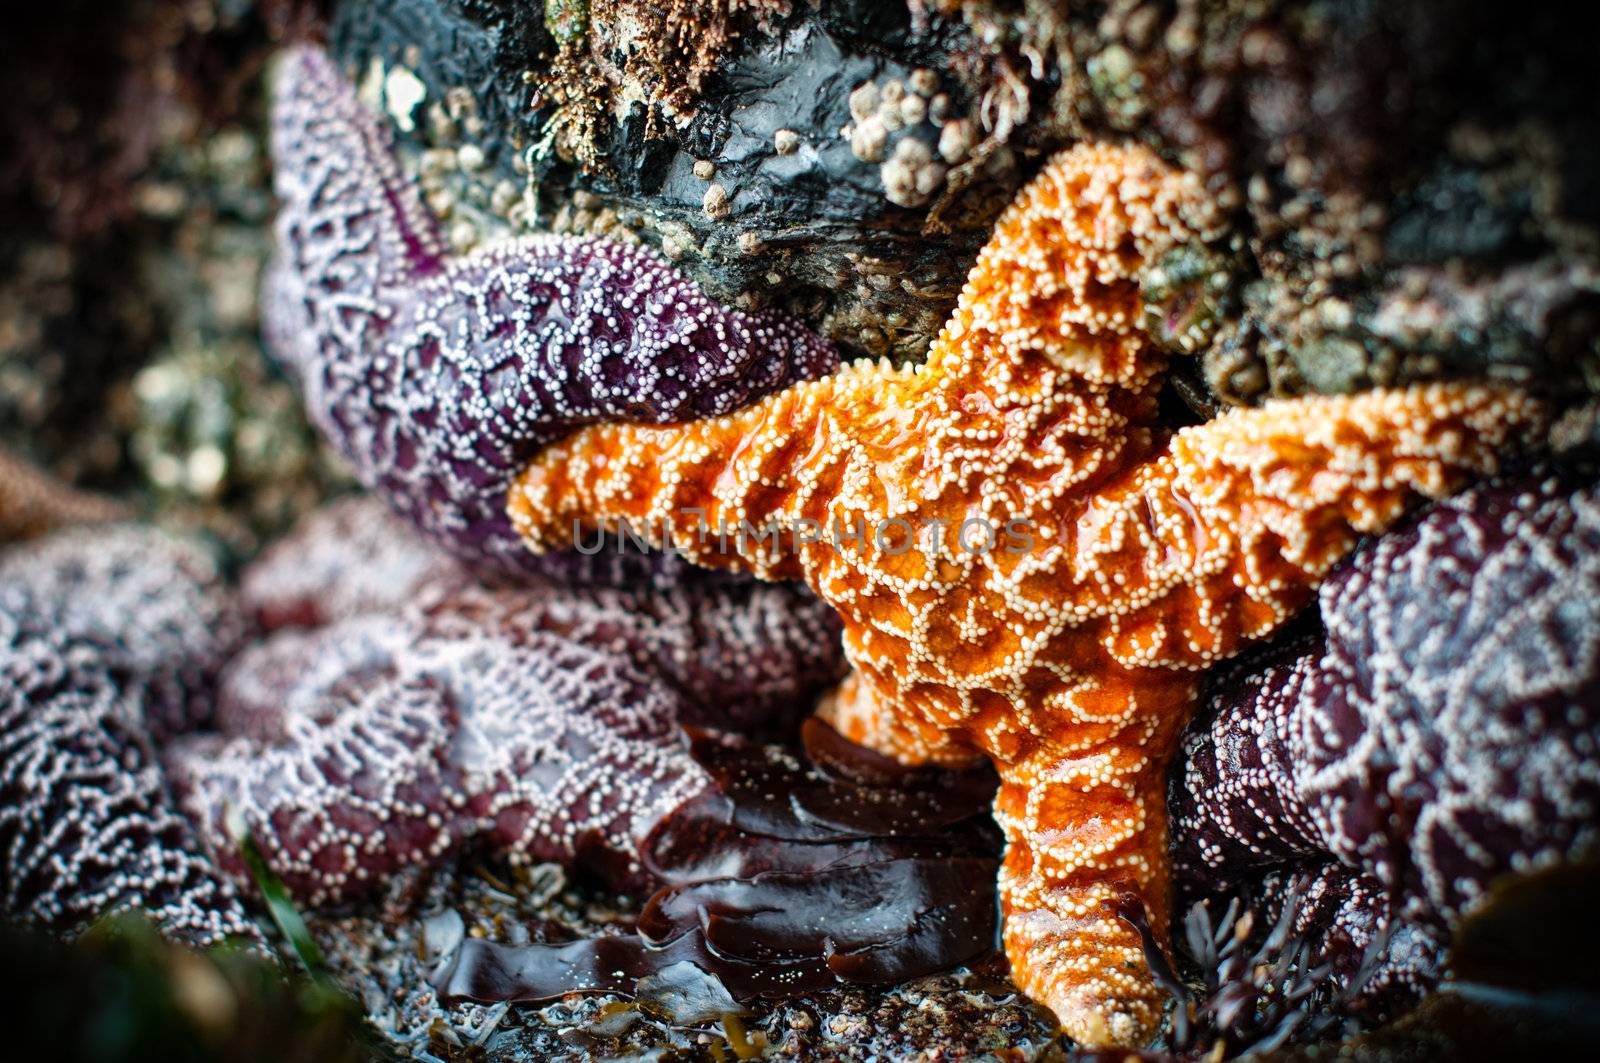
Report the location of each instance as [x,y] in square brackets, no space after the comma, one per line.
[792,877]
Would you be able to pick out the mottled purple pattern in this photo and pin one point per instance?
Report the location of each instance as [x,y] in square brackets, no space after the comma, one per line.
[1458,728]
[1348,919]
[1235,804]
[350,558]
[540,722]
[107,637]
[437,376]
[1445,729]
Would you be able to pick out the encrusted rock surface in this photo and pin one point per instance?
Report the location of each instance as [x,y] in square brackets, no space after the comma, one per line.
[973,1015]
[805,173]
[1398,213]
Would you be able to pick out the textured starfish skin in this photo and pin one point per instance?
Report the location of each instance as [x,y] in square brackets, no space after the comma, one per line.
[431,713]
[437,376]
[108,638]
[350,558]
[1241,829]
[1442,732]
[1074,663]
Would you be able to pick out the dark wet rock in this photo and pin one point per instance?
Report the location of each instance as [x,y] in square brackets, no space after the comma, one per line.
[810,171]
[1400,213]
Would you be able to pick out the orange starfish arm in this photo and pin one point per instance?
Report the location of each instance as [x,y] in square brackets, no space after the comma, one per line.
[1119,559]
[1214,543]
[727,492]
[1227,532]
[1042,355]
[866,716]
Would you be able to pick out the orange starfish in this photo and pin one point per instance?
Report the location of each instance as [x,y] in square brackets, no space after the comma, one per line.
[1027,565]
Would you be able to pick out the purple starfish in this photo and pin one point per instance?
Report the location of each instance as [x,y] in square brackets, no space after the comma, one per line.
[437,377]
[1442,732]
[350,558]
[107,637]
[543,722]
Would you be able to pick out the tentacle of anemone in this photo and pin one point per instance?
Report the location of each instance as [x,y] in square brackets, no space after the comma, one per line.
[438,375]
[1123,560]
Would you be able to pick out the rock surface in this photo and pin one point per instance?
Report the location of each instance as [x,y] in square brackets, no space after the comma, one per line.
[1397,215]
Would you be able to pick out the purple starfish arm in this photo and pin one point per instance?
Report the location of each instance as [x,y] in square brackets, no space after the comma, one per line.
[1234,790]
[1458,714]
[439,376]
[106,638]
[1389,962]
[350,558]
[542,723]
[354,558]
[1442,732]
